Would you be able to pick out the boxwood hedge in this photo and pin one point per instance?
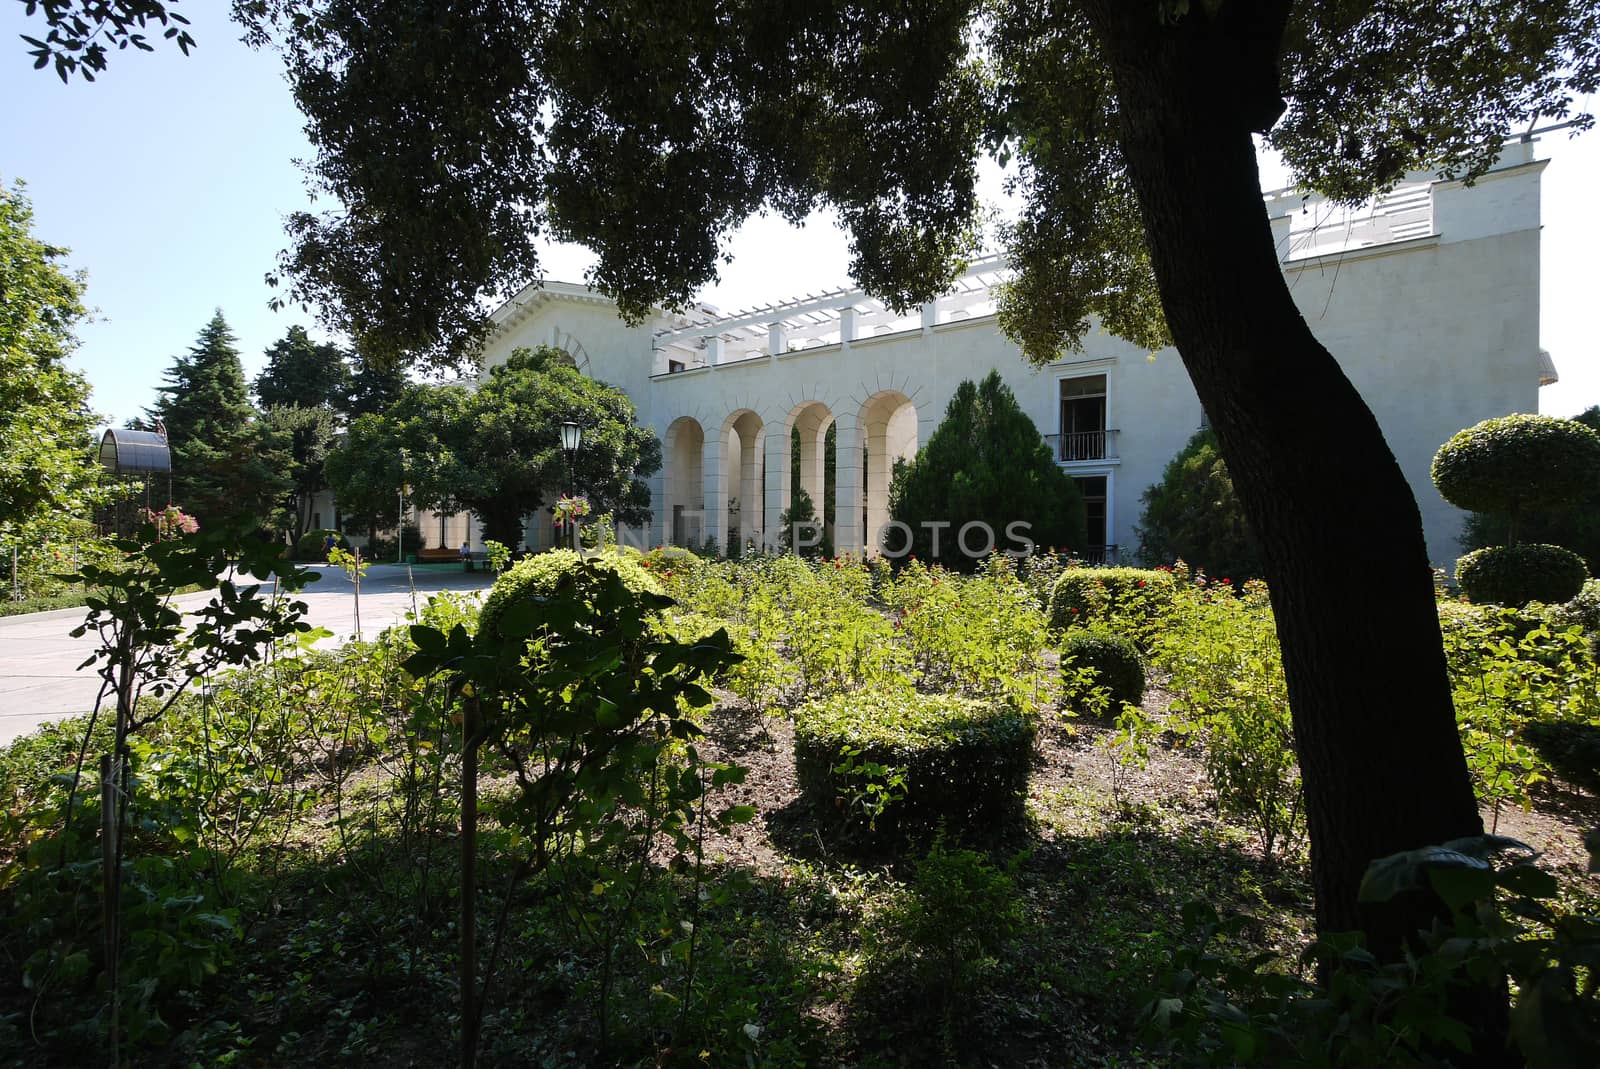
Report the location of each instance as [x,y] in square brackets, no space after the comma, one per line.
[1082,595]
[1118,669]
[1516,575]
[962,763]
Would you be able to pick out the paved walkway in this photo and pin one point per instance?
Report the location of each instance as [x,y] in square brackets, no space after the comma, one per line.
[39,677]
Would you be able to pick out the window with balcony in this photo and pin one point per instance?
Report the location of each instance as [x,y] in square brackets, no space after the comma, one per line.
[1083,420]
[1093,490]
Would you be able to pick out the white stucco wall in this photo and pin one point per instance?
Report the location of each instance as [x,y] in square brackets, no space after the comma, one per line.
[1437,331]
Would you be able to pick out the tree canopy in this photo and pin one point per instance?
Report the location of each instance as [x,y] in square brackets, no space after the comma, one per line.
[225,468]
[985,463]
[303,373]
[548,121]
[496,450]
[48,475]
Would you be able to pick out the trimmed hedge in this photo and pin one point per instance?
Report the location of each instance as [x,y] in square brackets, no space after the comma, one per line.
[1094,591]
[1516,462]
[1570,748]
[539,575]
[1516,575]
[1118,668]
[965,763]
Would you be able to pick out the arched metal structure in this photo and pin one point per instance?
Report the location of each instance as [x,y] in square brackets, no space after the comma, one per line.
[143,455]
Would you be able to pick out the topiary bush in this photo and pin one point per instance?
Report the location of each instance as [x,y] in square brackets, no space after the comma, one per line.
[1571,748]
[1083,595]
[1114,661]
[902,762]
[1513,463]
[1516,575]
[309,547]
[1582,611]
[539,575]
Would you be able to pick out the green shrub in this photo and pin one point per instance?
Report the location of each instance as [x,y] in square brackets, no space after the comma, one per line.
[1582,611]
[1193,514]
[1571,748]
[1516,575]
[309,547]
[909,761]
[1111,660]
[1085,594]
[1517,462]
[539,576]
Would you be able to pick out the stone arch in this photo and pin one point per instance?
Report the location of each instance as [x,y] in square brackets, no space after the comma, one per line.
[741,479]
[809,420]
[888,431]
[684,483]
[569,344]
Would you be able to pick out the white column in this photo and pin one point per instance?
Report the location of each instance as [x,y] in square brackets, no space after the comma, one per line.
[930,316]
[751,506]
[777,449]
[777,340]
[847,488]
[716,489]
[714,350]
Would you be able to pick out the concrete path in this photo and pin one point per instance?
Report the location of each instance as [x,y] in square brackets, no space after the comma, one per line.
[39,677]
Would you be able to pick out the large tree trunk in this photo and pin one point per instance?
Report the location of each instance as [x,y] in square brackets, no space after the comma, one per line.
[1339,531]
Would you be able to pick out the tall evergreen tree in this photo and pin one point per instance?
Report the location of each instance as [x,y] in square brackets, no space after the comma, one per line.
[1193,513]
[303,373]
[302,436]
[372,388]
[224,469]
[985,463]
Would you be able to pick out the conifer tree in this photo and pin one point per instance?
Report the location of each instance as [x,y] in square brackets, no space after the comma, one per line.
[986,463]
[224,469]
[300,373]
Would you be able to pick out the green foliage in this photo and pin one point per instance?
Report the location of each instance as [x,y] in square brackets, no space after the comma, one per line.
[1193,514]
[1570,748]
[962,762]
[226,469]
[799,529]
[1113,665]
[1225,672]
[947,934]
[540,575]
[81,32]
[1215,1008]
[1085,595]
[497,555]
[311,545]
[49,481]
[496,451]
[1514,463]
[303,374]
[985,463]
[1516,575]
[302,436]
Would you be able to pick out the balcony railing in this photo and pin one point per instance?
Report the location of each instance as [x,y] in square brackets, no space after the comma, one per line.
[1083,445]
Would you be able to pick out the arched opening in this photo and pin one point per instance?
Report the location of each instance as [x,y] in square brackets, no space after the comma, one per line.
[889,433]
[743,474]
[813,461]
[684,523]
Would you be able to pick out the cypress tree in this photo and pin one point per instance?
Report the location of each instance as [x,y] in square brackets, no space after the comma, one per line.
[224,468]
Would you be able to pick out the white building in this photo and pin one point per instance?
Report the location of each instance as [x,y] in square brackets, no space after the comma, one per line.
[1429,298]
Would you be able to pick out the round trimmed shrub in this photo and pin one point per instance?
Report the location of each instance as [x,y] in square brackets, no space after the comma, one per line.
[1082,595]
[309,547]
[964,762]
[539,575]
[1516,462]
[1118,668]
[1516,575]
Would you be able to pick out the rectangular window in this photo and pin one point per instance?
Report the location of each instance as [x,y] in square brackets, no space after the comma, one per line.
[1093,489]
[674,366]
[1083,418]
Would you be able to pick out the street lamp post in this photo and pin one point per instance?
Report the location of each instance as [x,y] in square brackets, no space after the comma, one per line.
[571,439]
[400,526]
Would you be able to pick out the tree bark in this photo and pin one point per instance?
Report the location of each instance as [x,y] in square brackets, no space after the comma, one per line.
[1351,585]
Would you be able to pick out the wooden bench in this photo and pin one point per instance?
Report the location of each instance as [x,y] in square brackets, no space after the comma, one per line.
[433,555]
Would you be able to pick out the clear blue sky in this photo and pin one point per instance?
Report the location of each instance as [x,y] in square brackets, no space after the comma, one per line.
[169,178]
